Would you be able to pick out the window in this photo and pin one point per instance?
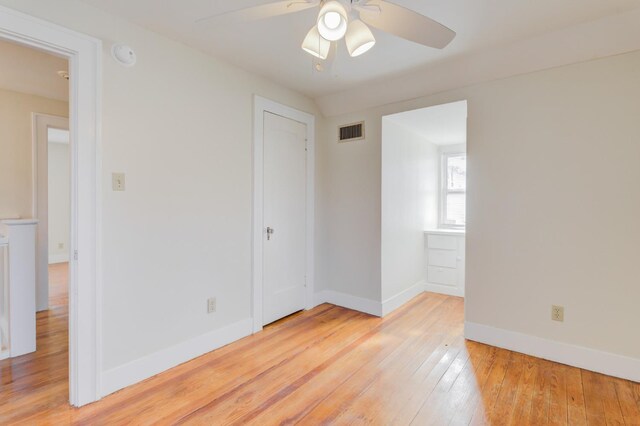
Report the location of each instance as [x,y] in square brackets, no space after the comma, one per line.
[454,190]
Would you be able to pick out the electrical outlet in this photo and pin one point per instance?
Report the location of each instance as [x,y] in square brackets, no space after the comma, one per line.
[557,313]
[117,181]
[211,305]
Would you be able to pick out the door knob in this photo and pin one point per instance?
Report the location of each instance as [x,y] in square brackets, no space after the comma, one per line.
[270,232]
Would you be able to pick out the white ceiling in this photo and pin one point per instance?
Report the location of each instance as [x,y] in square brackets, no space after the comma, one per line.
[27,70]
[272,47]
[441,124]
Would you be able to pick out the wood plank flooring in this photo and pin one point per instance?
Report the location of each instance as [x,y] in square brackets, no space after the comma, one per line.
[331,365]
[58,294]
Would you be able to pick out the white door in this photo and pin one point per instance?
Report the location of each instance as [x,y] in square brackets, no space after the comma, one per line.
[284,217]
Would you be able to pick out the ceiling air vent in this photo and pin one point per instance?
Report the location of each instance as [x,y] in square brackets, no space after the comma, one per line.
[351,132]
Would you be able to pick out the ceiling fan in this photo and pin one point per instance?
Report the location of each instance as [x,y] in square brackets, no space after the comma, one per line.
[348,19]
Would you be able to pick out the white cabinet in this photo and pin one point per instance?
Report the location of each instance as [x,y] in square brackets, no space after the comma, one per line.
[445,251]
[19,271]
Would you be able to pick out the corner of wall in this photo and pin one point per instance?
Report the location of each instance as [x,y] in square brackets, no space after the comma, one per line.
[394,302]
[349,301]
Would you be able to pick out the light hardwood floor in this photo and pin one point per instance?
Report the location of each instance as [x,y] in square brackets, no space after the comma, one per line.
[58,293]
[330,366]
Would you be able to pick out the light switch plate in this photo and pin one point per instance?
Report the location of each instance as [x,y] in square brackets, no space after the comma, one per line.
[117,181]
[211,305]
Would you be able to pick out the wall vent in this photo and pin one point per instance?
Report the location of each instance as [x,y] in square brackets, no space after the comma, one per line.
[351,132]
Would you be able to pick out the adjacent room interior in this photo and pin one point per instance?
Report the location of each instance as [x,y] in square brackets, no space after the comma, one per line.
[375,212]
[35,188]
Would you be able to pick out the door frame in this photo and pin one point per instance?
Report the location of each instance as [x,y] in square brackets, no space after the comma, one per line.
[40,205]
[84,54]
[262,105]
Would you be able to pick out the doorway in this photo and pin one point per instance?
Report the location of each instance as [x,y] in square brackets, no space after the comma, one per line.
[58,216]
[52,208]
[424,169]
[83,54]
[36,186]
[283,205]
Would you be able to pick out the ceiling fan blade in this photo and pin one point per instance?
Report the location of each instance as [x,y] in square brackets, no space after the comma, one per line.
[370,8]
[406,23]
[255,13]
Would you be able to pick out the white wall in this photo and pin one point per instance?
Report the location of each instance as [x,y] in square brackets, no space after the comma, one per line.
[16,149]
[348,210]
[552,159]
[32,71]
[59,202]
[179,124]
[552,218]
[409,205]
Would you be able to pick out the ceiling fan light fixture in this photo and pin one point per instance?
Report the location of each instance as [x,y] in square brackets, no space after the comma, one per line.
[316,45]
[332,20]
[359,38]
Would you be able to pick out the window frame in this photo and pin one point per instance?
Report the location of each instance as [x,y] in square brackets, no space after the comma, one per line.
[445,191]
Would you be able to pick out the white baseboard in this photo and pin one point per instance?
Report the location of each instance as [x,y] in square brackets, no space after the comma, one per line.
[380,309]
[443,289]
[394,302]
[150,365]
[348,301]
[564,353]
[58,258]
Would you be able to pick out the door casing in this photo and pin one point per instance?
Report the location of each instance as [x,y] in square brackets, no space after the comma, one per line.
[262,105]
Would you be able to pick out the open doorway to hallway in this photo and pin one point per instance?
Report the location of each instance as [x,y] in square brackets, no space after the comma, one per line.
[58,216]
[53,192]
[35,211]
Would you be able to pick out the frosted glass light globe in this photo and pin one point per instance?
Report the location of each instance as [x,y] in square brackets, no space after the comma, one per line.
[332,21]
